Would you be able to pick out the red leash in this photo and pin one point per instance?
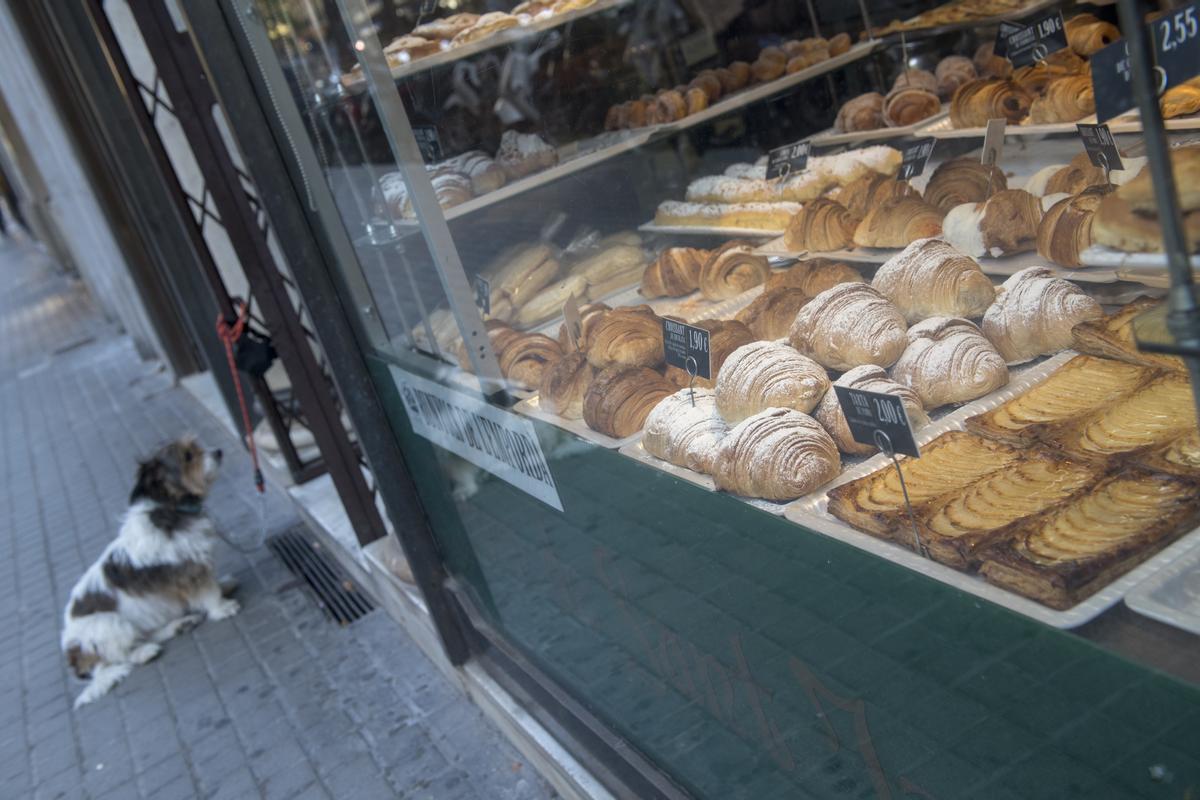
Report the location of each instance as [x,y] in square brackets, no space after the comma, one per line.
[229,334]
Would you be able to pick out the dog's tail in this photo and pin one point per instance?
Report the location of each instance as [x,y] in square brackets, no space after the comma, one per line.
[104,678]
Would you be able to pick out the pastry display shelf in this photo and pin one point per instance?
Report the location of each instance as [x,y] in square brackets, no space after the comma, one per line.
[1172,595]
[531,407]
[944,129]
[971,24]
[1152,265]
[832,138]
[708,230]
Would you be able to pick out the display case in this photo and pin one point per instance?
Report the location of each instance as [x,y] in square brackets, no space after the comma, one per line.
[647,286]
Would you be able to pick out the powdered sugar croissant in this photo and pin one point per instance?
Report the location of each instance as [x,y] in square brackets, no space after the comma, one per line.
[1034,313]
[777,454]
[869,378]
[948,360]
[849,325]
[685,429]
[763,375]
[931,278]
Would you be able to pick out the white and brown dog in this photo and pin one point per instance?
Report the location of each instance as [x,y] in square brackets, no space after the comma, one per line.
[155,580]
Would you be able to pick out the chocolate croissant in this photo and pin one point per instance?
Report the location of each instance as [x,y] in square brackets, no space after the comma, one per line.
[674,273]
[979,101]
[962,180]
[732,269]
[619,400]
[1035,77]
[626,337]
[821,225]
[1087,34]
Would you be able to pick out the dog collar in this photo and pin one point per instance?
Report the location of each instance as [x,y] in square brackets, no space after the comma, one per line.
[189,507]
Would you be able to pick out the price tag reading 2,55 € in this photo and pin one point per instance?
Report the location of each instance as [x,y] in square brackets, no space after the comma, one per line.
[1176,37]
[916,156]
[686,346]
[1036,41]
[869,414]
[483,294]
[791,159]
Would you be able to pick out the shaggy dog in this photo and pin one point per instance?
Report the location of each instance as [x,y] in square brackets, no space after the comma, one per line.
[155,580]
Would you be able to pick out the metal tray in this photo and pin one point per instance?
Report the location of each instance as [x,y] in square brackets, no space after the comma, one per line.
[831,137]
[1172,595]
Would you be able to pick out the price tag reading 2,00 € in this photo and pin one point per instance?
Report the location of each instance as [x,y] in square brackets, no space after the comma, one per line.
[685,345]
[791,159]
[871,413]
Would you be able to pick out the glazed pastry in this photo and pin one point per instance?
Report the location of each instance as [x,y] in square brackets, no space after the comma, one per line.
[626,337]
[521,154]
[674,273]
[948,360]
[839,44]
[962,180]
[908,105]
[771,63]
[814,276]
[486,25]
[724,336]
[1007,223]
[445,28]
[1066,99]
[870,190]
[670,106]
[897,221]
[731,269]
[931,278]
[564,384]
[1034,313]
[771,314]
[1113,337]
[708,82]
[619,400]
[822,225]
[589,317]
[485,174]
[951,73]
[849,325]
[862,113]
[979,101]
[777,454]
[868,378]
[1066,228]
[762,375]
[685,429]
[548,303]
[1120,227]
[1086,34]
[1153,415]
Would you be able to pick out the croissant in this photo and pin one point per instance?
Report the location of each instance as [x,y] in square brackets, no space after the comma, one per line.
[619,400]
[589,317]
[724,336]
[1066,99]
[1034,313]
[686,430]
[871,189]
[777,454]
[1181,100]
[626,337]
[862,113]
[1086,34]
[917,79]
[962,180]
[1066,229]
[820,226]
[990,65]
[500,336]
[525,359]
[771,314]
[732,269]
[908,105]
[762,375]
[564,383]
[674,273]
[897,221]
[1007,223]
[948,360]
[869,378]
[992,98]
[1035,77]
[930,278]
[951,73]
[849,325]
[814,276]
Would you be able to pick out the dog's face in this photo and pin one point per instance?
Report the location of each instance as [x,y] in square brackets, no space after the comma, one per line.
[179,471]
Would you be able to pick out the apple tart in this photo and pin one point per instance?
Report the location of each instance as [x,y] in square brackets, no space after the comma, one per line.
[1155,414]
[1112,337]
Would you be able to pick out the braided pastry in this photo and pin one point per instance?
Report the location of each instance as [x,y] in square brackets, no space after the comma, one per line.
[862,113]
[1086,34]
[979,101]
[777,454]
[1034,313]
[1066,99]
[1066,228]
[871,189]
[564,383]
[951,73]
[822,225]
[619,400]
[732,269]
[724,336]
[674,273]
[949,360]
[814,276]
[589,316]
[908,105]
[897,221]
[869,378]
[962,180]
[1007,223]
[930,278]
[849,325]
[771,314]
[762,375]
[626,337]
[686,430]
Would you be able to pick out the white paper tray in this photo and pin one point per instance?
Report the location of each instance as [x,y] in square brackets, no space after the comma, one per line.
[1172,594]
[530,408]
[709,230]
[1151,263]
[830,137]
[944,129]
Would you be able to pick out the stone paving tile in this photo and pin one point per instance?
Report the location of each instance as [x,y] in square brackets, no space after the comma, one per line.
[276,702]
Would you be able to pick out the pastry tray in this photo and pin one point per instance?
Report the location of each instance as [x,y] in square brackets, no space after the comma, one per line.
[944,129]
[530,408]
[830,137]
[1172,595]
[1129,263]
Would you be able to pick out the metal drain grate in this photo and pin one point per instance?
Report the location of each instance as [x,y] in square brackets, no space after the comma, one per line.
[336,594]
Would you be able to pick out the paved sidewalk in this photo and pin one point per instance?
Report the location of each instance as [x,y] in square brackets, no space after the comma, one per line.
[277,702]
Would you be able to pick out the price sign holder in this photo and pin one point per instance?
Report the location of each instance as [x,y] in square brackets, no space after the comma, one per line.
[483,294]
[1000,48]
[881,420]
[1112,80]
[915,157]
[686,346]
[993,148]
[428,142]
[573,321]
[1036,41]
[788,160]
[1101,148]
[1176,38]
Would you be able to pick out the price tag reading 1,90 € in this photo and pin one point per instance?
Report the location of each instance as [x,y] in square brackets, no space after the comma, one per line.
[1000,48]
[1036,41]
[483,294]
[1100,146]
[1176,37]
[686,346]
[878,420]
[916,156]
[790,159]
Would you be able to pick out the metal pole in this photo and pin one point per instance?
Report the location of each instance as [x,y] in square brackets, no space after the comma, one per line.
[812,17]
[866,18]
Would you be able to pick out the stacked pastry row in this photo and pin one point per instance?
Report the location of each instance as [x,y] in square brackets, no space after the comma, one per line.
[908,333]
[1059,490]
[474,173]
[710,85]
[742,197]
[916,94]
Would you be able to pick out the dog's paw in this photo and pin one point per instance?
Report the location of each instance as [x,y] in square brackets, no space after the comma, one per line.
[145,653]
[228,585]
[224,610]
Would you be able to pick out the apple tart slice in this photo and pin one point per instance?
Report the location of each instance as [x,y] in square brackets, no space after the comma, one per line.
[1160,411]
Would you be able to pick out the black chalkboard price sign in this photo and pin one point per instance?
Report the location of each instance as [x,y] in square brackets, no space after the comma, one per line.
[1112,80]
[878,419]
[483,294]
[788,160]
[428,142]
[916,156]
[1100,146]
[1037,40]
[686,346]
[1176,37]
[1000,47]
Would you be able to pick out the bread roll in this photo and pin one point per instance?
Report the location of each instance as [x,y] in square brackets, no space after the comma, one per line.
[897,221]
[777,454]
[675,273]
[564,384]
[948,360]
[762,375]
[724,336]
[814,276]
[626,337]
[962,180]
[614,265]
[521,272]
[822,225]
[771,314]
[930,278]
[1034,313]
[732,269]
[868,378]
[1007,223]
[849,325]
[839,44]
[619,400]
[685,429]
